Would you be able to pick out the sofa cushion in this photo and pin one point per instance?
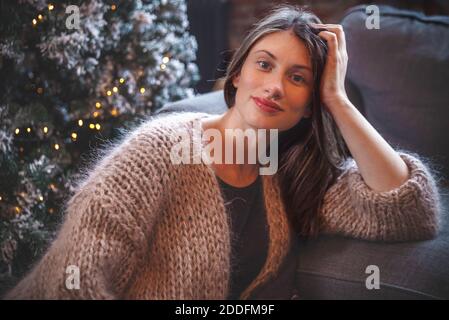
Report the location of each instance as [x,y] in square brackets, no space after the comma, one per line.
[402,73]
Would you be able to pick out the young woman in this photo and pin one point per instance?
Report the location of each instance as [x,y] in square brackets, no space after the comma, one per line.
[142,227]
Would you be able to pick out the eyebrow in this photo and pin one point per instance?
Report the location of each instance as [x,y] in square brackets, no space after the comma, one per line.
[296,66]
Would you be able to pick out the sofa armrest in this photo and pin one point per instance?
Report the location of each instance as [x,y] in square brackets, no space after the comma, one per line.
[333,267]
[212,103]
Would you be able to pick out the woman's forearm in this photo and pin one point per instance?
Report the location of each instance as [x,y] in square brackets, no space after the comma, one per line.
[379,164]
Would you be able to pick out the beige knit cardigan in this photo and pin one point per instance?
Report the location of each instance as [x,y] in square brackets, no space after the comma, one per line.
[141,227]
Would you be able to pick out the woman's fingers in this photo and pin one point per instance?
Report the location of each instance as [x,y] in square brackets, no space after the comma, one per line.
[332,41]
[336,29]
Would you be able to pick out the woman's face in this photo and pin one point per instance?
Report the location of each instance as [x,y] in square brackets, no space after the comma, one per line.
[277,68]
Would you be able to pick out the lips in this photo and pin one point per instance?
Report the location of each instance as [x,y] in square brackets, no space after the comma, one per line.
[267,105]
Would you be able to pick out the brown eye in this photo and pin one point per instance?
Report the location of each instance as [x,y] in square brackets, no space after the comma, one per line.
[298,78]
[260,62]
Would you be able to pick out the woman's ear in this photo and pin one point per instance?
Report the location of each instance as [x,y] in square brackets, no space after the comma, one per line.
[236,80]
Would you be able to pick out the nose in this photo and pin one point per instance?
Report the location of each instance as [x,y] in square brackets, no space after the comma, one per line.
[274,88]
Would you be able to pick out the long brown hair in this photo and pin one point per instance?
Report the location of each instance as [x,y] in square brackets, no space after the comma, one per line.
[311,154]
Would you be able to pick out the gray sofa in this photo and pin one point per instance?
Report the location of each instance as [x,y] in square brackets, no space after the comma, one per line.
[397,76]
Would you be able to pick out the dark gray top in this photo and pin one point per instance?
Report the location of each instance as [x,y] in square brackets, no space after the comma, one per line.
[249,243]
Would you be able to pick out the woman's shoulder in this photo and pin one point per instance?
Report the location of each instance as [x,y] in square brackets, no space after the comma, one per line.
[164,124]
[141,151]
[155,134]
[165,128]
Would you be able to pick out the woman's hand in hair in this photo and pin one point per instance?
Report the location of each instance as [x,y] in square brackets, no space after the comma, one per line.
[332,88]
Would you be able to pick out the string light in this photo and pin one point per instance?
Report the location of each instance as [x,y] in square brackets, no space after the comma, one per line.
[97,126]
[40,17]
[95,114]
[80,122]
[142,90]
[163,66]
[165,59]
[34,22]
[113,7]
[74,135]
[17,131]
[56,146]
[28,130]
[115,89]
[18,210]
[45,129]
[114,112]
[51,7]
[122,80]
[41,198]
[1,198]
[92,126]
[50,210]
[108,92]
[98,105]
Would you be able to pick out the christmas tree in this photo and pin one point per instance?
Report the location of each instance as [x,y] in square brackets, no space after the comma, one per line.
[71,74]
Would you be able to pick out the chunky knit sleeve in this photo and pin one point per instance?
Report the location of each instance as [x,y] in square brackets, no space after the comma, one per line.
[408,212]
[106,229]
